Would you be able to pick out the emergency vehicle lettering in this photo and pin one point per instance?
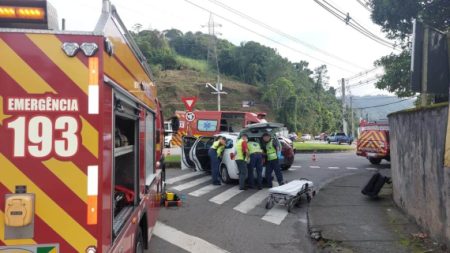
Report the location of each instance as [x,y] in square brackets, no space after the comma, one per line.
[47,104]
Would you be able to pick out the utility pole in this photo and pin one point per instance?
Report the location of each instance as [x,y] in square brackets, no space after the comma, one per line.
[344,122]
[212,57]
[423,97]
[353,123]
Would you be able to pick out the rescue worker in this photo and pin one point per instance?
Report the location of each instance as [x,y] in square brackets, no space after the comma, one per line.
[271,151]
[241,160]
[256,162]
[215,154]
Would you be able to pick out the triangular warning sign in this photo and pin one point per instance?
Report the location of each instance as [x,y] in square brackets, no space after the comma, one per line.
[189,102]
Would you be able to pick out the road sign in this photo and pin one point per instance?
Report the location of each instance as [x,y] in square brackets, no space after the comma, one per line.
[190,116]
[189,102]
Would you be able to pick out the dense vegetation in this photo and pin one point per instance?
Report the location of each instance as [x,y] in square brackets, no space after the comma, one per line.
[299,96]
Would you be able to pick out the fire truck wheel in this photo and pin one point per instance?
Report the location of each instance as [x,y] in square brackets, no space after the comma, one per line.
[375,161]
[139,243]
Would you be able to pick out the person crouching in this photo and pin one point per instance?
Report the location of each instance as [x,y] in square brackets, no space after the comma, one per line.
[215,154]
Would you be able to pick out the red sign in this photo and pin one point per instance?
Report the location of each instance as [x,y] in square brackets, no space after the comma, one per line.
[189,102]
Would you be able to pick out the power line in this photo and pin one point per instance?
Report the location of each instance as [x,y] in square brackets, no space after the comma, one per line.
[375,106]
[363,73]
[364,82]
[278,31]
[353,23]
[365,4]
[266,37]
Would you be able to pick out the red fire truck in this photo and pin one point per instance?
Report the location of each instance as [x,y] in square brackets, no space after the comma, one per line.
[82,135]
[373,141]
[210,123]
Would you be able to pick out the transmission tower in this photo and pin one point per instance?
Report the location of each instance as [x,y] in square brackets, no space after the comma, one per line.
[212,57]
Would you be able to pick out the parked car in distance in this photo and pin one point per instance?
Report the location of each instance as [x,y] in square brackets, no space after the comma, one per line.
[339,138]
[292,136]
[306,137]
[168,140]
[320,137]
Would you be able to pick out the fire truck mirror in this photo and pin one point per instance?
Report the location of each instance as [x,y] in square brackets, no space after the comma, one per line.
[175,122]
[19,216]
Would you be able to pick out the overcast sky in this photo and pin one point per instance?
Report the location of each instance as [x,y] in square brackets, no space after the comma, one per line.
[302,19]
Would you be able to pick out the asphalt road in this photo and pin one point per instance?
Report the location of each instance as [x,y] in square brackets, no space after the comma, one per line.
[222,219]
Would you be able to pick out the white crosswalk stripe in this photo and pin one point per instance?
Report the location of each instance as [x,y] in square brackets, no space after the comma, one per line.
[204,190]
[352,168]
[333,168]
[252,201]
[191,184]
[185,241]
[183,177]
[226,195]
[276,215]
[296,166]
[314,167]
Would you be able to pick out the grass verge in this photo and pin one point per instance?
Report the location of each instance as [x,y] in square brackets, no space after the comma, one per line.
[311,147]
[173,161]
[198,65]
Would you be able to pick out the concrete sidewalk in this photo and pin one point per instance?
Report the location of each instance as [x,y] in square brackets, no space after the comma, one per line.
[351,222]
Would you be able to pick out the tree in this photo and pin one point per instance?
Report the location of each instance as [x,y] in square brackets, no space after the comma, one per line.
[277,92]
[397,74]
[395,17]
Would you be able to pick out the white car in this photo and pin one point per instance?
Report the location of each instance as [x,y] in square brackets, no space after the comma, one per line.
[195,151]
[306,137]
[168,140]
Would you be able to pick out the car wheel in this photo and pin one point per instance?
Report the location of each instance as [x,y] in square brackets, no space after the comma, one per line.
[375,161]
[224,174]
[329,142]
[139,242]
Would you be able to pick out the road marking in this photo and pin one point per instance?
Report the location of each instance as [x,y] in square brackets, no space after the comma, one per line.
[183,177]
[276,215]
[292,169]
[314,167]
[251,202]
[192,183]
[185,241]
[371,169]
[352,168]
[226,195]
[333,168]
[204,190]
[296,166]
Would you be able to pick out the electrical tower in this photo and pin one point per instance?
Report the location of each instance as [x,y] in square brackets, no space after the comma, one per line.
[213,58]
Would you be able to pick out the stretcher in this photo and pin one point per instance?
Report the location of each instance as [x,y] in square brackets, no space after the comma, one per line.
[291,193]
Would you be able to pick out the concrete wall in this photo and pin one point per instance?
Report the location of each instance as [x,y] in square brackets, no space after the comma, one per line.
[421,183]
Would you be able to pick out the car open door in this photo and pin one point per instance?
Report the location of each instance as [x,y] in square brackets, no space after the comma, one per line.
[188,143]
[199,153]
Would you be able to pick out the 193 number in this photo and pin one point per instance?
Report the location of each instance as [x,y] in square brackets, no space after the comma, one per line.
[37,136]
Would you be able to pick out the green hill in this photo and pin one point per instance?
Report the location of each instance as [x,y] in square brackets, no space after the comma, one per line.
[174,84]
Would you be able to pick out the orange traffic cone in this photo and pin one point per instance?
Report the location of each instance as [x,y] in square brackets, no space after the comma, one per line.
[314,157]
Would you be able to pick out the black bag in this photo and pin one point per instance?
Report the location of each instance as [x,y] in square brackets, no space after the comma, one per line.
[374,185]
